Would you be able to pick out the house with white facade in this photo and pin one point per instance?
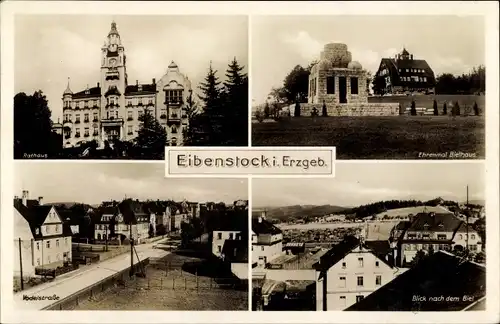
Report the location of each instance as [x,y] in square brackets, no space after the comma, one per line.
[433,232]
[349,272]
[51,237]
[23,247]
[267,241]
[229,229]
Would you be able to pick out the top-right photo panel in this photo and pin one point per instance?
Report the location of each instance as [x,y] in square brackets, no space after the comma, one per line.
[375,87]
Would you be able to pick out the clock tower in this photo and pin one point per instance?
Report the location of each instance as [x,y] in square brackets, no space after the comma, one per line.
[113,84]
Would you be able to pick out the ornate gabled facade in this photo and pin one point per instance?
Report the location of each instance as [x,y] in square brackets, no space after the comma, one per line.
[111,109]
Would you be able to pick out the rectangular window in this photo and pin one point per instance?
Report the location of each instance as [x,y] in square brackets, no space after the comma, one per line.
[38,261]
[378,280]
[342,282]
[87,131]
[66,241]
[330,85]
[219,236]
[354,85]
[360,262]
[359,298]
[262,248]
[360,281]
[129,103]
[376,264]
[57,243]
[130,130]
[343,301]
[129,115]
[441,236]
[219,248]
[95,117]
[86,118]
[48,244]
[230,236]
[344,265]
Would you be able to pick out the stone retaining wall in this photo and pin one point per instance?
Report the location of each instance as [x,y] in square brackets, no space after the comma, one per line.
[360,109]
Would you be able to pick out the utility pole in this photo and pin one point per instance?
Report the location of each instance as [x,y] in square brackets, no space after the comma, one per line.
[107,226]
[21,264]
[131,273]
[467,223]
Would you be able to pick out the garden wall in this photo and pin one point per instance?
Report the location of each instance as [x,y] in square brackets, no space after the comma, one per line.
[360,109]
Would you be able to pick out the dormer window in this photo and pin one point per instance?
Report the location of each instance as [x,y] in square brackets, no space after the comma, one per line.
[139,87]
[37,231]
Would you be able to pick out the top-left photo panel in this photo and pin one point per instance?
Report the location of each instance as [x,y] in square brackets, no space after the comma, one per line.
[124,87]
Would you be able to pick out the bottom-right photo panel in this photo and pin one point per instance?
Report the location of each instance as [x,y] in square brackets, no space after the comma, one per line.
[378,237]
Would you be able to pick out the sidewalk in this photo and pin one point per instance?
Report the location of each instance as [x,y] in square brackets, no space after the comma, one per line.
[75,281]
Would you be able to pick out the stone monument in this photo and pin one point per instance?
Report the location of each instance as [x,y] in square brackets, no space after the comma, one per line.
[340,83]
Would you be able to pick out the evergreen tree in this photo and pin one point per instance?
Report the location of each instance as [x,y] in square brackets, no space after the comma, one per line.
[457,108]
[297,109]
[476,109]
[151,139]
[413,109]
[192,132]
[33,126]
[213,110]
[445,109]
[324,111]
[266,110]
[235,119]
[435,106]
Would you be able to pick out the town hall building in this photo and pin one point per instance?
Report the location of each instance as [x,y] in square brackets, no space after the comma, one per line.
[111,109]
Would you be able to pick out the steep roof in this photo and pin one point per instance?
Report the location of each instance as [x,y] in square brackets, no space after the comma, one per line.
[232,223]
[263,226]
[88,93]
[35,216]
[393,65]
[337,252]
[134,89]
[434,222]
[440,274]
[133,212]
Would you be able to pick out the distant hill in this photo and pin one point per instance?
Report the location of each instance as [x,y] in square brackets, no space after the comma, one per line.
[480,202]
[404,212]
[298,211]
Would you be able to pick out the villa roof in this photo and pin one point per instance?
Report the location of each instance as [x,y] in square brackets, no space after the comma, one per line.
[440,274]
[435,222]
[264,227]
[134,89]
[88,93]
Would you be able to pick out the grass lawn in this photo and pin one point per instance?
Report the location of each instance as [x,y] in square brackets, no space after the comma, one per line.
[400,137]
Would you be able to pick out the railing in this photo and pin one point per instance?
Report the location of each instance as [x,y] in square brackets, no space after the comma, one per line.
[77,121]
[130,118]
[95,120]
[86,120]
[87,135]
[77,135]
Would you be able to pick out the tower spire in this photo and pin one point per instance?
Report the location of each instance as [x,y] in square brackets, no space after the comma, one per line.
[68,90]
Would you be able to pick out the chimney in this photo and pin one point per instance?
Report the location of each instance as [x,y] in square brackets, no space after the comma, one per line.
[98,85]
[40,200]
[263,215]
[411,57]
[260,219]
[154,81]
[136,82]
[25,197]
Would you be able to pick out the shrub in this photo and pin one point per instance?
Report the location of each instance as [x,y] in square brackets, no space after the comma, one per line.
[413,110]
[445,109]
[259,116]
[314,112]
[476,109]
[324,112]
[435,106]
[297,109]
[456,109]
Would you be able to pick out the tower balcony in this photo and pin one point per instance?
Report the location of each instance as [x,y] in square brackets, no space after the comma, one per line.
[112,121]
[112,75]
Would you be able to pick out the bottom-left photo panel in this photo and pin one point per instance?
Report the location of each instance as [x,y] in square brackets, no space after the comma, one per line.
[122,236]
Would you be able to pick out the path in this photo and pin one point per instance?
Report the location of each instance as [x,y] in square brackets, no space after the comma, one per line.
[70,283]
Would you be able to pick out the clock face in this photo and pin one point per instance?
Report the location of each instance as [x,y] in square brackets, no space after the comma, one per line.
[112,62]
[112,47]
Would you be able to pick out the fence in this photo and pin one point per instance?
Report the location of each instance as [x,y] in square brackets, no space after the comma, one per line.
[186,283]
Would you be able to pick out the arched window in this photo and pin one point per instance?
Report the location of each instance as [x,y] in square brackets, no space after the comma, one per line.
[99,236]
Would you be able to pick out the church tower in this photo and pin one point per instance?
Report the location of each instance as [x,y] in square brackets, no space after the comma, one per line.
[113,84]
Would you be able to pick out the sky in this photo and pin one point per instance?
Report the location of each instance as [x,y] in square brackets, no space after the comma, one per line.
[51,48]
[363,183]
[452,44]
[93,183]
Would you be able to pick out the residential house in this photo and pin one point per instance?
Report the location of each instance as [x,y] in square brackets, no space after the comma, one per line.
[51,242]
[228,229]
[432,231]
[134,214]
[105,216]
[267,241]
[439,274]
[349,272]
